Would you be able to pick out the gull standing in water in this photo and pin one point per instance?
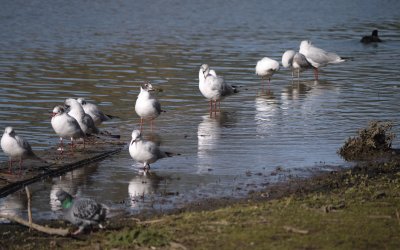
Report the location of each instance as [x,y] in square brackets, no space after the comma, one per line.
[318,57]
[144,151]
[16,146]
[66,126]
[84,120]
[266,67]
[295,61]
[91,109]
[213,87]
[147,106]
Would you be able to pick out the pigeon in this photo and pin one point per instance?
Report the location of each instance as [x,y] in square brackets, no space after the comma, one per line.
[85,121]
[266,67]
[147,106]
[82,212]
[16,146]
[213,87]
[144,151]
[373,38]
[91,109]
[318,57]
[66,126]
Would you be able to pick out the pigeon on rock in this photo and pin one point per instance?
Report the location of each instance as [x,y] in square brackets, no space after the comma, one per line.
[82,212]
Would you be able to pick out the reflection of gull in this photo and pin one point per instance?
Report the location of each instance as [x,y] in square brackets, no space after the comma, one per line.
[13,205]
[70,183]
[266,108]
[208,134]
[142,185]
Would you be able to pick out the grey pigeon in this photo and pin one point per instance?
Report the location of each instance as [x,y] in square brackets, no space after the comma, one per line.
[82,212]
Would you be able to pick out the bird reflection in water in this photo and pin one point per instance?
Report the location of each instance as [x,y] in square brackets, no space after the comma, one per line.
[266,110]
[141,186]
[208,135]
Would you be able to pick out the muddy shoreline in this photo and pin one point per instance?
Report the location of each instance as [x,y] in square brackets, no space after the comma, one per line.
[388,164]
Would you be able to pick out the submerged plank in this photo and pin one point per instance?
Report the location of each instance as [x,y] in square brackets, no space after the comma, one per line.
[56,163]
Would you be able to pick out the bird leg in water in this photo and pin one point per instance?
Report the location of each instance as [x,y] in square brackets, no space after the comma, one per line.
[141,124]
[10,165]
[61,146]
[316,73]
[20,165]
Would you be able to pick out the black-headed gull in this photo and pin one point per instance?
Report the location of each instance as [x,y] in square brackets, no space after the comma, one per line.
[16,146]
[266,67]
[295,61]
[82,212]
[66,126]
[85,121]
[91,109]
[147,106]
[373,38]
[213,87]
[144,151]
[318,57]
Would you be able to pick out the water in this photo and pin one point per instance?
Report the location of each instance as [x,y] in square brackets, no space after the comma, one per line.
[103,50]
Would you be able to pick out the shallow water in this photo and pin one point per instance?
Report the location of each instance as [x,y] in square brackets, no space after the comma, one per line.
[103,50]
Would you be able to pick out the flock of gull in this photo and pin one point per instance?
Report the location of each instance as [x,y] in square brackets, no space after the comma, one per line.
[78,120]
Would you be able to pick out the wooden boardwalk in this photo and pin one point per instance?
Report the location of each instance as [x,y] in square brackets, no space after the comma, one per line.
[57,164]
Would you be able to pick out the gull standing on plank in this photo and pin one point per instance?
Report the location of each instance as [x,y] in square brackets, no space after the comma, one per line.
[144,151]
[82,212]
[84,120]
[147,106]
[66,126]
[318,57]
[213,87]
[295,61]
[266,67]
[16,146]
[91,109]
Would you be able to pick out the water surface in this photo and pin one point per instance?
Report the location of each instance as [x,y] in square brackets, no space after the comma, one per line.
[102,50]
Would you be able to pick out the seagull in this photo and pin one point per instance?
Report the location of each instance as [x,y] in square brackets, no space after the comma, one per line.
[85,121]
[144,151]
[213,87]
[16,146]
[373,38]
[91,109]
[318,57]
[82,212]
[66,126]
[147,106]
[295,61]
[266,67]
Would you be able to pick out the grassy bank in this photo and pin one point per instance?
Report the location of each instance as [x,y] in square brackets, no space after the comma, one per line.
[350,209]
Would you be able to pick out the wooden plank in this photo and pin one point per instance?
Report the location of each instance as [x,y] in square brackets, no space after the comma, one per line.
[58,164]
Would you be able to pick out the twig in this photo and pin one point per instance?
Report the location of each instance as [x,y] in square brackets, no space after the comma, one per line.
[295,230]
[29,207]
[43,229]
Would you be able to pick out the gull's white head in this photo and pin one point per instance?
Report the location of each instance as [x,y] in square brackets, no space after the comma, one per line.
[287,58]
[205,69]
[58,110]
[136,136]
[81,100]
[10,131]
[305,44]
[147,87]
[70,102]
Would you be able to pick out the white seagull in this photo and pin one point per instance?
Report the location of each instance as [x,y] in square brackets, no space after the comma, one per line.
[144,151]
[147,106]
[66,126]
[84,120]
[213,87]
[295,61]
[91,109]
[318,57]
[16,146]
[266,67]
